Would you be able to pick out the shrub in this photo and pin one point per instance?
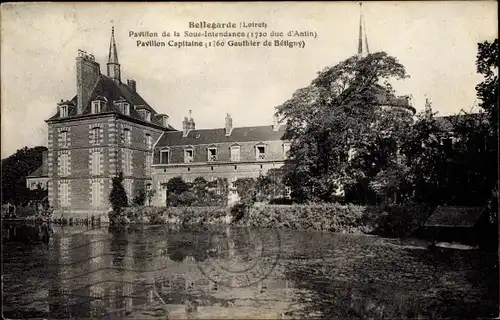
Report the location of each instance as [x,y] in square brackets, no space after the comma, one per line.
[118,199]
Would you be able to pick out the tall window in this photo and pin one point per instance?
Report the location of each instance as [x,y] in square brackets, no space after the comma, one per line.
[188,155]
[64,196]
[126,108]
[212,154]
[164,156]
[64,139]
[260,152]
[96,106]
[149,141]
[235,153]
[127,163]
[286,150]
[63,169]
[64,111]
[149,162]
[126,136]
[96,194]
[128,189]
[96,163]
[96,135]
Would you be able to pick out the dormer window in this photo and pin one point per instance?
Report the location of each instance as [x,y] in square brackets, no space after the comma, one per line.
[126,108]
[165,121]
[212,154]
[96,106]
[188,155]
[260,152]
[164,156]
[147,116]
[286,150]
[64,111]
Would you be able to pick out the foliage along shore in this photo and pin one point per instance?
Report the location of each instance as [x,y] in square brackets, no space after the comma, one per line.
[388,221]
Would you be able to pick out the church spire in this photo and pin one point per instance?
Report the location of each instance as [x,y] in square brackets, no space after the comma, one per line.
[362,32]
[113,64]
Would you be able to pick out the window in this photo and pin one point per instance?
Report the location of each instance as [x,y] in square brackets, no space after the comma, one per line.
[64,111]
[164,156]
[142,113]
[212,154]
[235,153]
[126,136]
[260,152]
[148,164]
[95,135]
[286,150]
[148,116]
[64,196]
[127,162]
[128,189]
[149,141]
[96,106]
[64,139]
[126,108]
[96,163]
[96,194]
[188,155]
[63,165]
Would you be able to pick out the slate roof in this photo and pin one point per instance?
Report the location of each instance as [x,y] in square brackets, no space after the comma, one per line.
[38,173]
[457,217]
[385,98]
[209,136]
[113,91]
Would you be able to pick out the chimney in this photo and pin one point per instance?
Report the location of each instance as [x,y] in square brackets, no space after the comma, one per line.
[191,122]
[132,84]
[276,124]
[165,121]
[229,124]
[87,75]
[185,127]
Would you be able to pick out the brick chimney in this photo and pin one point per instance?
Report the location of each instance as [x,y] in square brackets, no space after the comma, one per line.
[229,124]
[87,75]
[276,124]
[192,125]
[185,127]
[132,84]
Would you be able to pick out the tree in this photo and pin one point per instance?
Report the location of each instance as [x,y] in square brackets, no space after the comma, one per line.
[332,115]
[15,169]
[487,90]
[118,196]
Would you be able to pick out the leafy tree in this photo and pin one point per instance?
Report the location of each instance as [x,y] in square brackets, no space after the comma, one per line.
[177,185]
[140,198]
[332,115]
[118,196]
[15,169]
[247,191]
[487,90]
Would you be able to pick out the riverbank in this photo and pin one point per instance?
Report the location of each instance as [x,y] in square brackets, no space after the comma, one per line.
[389,221]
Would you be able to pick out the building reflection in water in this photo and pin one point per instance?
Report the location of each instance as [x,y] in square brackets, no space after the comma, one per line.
[119,272]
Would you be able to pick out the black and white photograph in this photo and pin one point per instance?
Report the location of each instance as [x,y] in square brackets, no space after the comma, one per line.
[250,160]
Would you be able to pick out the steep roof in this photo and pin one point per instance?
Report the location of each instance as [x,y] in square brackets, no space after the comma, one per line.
[113,91]
[209,136]
[458,217]
[386,98]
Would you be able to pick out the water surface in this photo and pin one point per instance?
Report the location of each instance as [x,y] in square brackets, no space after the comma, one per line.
[180,273]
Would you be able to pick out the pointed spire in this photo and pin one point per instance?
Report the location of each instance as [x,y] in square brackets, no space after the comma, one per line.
[113,64]
[362,32]
[113,54]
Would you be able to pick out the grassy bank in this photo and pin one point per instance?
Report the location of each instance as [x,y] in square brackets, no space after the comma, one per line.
[390,221]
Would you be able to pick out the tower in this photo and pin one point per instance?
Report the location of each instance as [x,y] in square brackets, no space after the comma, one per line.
[113,64]
[362,50]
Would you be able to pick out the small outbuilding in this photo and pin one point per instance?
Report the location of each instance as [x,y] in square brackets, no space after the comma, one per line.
[457,224]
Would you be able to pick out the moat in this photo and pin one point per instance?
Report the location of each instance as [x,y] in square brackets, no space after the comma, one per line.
[147,272]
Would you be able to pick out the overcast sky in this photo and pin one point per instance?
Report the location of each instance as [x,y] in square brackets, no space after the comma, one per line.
[435,41]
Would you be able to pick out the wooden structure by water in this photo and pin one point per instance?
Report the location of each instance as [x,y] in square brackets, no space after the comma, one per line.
[457,224]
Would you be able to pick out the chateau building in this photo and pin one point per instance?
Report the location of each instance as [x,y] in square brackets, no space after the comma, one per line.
[107,128]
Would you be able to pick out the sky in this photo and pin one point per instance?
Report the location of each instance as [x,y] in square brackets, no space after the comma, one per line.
[435,41]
